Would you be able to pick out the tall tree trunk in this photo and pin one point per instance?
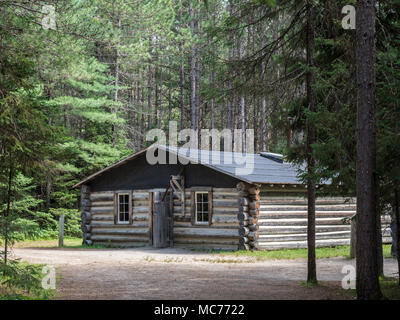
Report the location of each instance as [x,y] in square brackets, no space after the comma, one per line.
[242,103]
[192,72]
[198,67]
[312,267]
[7,215]
[116,92]
[182,74]
[397,221]
[367,258]
[149,90]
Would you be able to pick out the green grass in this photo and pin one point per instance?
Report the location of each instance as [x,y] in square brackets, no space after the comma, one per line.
[53,243]
[389,286]
[289,254]
[24,282]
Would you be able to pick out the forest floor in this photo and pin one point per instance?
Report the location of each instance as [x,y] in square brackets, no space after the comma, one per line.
[147,273]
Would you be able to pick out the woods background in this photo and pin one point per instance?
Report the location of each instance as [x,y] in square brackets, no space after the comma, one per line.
[80,97]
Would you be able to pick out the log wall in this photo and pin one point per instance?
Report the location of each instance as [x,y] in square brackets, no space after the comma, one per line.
[105,231]
[283,221]
[245,217]
[222,233]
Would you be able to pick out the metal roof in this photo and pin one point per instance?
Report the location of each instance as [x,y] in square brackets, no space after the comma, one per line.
[248,167]
[260,170]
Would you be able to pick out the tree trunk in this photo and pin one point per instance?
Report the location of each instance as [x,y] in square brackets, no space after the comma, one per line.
[397,221]
[182,75]
[367,258]
[149,91]
[192,72]
[116,92]
[312,267]
[6,217]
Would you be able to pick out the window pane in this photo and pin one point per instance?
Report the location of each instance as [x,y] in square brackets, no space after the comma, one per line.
[123,207]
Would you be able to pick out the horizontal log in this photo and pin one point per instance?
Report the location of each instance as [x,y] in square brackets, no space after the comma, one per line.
[228,211]
[115,238]
[254,212]
[305,208]
[224,190]
[224,196]
[140,217]
[102,203]
[86,217]
[301,244]
[304,213]
[243,216]
[140,210]
[243,240]
[299,221]
[208,241]
[86,236]
[140,203]
[253,235]
[120,231]
[206,246]
[224,218]
[205,232]
[103,218]
[254,205]
[225,204]
[243,231]
[300,229]
[303,236]
[136,224]
[253,227]
[140,196]
[104,196]
[253,220]
[101,210]
[86,228]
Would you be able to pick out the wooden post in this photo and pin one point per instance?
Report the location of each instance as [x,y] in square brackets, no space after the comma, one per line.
[61,231]
[353,237]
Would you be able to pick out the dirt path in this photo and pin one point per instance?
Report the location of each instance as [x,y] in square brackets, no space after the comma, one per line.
[146,273]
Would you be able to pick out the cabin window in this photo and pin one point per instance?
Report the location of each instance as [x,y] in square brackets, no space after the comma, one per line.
[123,207]
[202,208]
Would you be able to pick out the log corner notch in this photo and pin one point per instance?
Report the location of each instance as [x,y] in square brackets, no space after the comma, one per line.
[86,215]
[249,205]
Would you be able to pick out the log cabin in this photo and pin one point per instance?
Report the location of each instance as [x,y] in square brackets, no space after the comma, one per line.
[206,204]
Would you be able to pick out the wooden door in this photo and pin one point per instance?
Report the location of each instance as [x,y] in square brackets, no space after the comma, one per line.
[162,221]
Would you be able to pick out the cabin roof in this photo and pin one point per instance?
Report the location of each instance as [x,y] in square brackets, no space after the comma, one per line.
[268,168]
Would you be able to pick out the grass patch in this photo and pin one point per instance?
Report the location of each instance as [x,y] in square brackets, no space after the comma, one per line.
[389,287]
[53,243]
[290,254]
[23,281]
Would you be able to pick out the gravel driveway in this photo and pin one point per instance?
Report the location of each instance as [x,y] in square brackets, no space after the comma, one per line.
[147,273]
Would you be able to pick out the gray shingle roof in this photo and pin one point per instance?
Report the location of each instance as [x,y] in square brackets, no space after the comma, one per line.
[260,170]
[249,167]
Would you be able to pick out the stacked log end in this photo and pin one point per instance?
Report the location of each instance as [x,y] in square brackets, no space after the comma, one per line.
[249,205]
[86,216]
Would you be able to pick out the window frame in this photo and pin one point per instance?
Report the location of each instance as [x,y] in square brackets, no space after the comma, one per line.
[123,193]
[196,222]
